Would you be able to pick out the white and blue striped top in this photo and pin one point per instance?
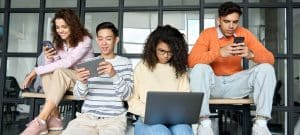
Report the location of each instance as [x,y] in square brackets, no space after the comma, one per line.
[103,94]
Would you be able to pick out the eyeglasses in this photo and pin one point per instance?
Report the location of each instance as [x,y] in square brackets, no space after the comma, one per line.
[163,52]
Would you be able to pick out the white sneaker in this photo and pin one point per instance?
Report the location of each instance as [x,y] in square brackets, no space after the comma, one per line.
[205,128]
[260,130]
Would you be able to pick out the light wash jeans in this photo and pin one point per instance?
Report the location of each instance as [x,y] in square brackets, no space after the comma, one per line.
[159,129]
[259,82]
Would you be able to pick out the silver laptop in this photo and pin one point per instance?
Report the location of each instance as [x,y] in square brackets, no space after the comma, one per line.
[173,107]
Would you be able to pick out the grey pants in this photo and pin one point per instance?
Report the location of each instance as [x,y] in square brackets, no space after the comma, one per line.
[259,82]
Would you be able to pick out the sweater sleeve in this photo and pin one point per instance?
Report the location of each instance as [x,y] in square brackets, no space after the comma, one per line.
[123,81]
[184,85]
[80,89]
[261,54]
[136,106]
[72,58]
[205,50]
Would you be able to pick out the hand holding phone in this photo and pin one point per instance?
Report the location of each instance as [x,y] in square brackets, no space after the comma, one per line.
[48,49]
[238,40]
[47,44]
[238,46]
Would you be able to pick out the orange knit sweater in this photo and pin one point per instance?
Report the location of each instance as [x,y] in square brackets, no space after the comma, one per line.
[207,51]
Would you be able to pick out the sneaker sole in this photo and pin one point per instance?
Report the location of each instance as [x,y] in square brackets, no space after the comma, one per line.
[44,133]
[55,128]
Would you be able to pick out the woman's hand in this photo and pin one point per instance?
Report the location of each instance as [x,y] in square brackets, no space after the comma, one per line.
[82,75]
[49,52]
[106,68]
[28,79]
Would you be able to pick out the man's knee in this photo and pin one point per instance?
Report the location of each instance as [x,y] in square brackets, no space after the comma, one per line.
[200,69]
[266,68]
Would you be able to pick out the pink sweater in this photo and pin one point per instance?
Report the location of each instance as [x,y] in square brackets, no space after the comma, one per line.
[68,57]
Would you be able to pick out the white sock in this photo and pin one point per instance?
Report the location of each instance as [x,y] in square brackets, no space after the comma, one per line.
[261,122]
[206,123]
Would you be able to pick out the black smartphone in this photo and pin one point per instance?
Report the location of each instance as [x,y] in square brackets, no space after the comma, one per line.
[48,44]
[238,40]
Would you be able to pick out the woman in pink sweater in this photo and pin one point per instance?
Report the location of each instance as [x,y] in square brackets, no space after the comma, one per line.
[72,44]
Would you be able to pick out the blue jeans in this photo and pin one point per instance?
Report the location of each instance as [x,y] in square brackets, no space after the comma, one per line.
[258,82]
[159,129]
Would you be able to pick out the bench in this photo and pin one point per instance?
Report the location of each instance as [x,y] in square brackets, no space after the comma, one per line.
[231,101]
[235,104]
[41,95]
[211,101]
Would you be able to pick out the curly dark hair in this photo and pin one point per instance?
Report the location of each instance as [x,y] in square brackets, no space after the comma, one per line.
[229,8]
[177,44]
[77,30]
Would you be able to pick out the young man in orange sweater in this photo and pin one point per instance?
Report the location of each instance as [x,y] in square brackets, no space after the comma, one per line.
[216,68]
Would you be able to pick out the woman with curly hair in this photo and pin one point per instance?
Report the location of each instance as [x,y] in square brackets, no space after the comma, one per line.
[71,45]
[163,67]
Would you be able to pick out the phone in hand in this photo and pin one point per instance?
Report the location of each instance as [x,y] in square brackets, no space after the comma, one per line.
[48,44]
[238,40]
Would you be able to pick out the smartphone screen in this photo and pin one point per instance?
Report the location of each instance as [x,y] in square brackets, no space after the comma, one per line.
[48,44]
[238,40]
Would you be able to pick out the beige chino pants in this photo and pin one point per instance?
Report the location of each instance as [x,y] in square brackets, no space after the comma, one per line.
[86,124]
[56,84]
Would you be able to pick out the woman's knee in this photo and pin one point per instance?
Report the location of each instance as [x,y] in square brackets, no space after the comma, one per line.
[158,129]
[181,129]
[59,71]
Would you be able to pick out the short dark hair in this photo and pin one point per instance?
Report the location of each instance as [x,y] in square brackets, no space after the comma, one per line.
[107,25]
[229,8]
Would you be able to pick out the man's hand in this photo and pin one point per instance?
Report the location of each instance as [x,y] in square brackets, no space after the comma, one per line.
[28,80]
[82,75]
[226,51]
[236,49]
[240,49]
[49,52]
[106,68]
[250,55]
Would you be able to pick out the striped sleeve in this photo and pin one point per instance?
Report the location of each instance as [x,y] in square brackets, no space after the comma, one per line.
[123,80]
[80,89]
